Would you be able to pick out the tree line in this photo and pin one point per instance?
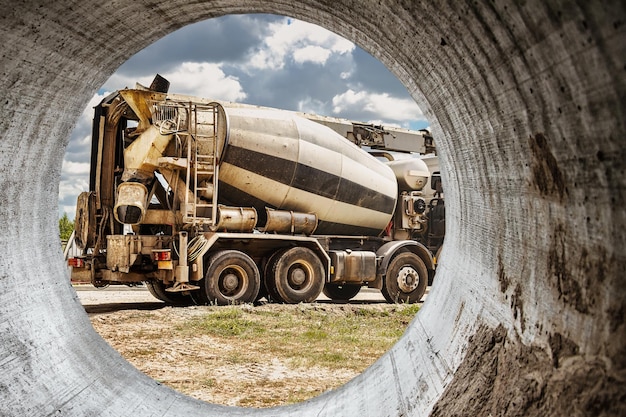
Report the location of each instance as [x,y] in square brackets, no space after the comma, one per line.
[66,227]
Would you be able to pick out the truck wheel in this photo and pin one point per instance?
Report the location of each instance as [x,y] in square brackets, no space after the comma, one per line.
[268,279]
[406,279]
[297,276]
[231,278]
[341,291]
[157,289]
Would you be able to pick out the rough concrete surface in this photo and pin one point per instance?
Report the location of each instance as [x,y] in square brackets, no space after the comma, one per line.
[527,102]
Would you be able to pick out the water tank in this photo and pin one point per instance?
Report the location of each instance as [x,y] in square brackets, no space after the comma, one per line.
[412,174]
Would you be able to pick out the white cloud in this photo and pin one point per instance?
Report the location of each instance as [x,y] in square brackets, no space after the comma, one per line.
[118,81]
[200,79]
[312,106]
[315,54]
[300,41]
[74,168]
[383,105]
[68,193]
[74,185]
[205,80]
[69,210]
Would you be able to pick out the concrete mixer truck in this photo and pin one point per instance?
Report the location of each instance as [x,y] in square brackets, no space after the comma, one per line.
[216,203]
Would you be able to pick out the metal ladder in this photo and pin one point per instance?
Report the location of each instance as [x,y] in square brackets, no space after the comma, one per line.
[201,138]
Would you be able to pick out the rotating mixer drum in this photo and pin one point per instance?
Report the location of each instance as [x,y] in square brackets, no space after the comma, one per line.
[282,161]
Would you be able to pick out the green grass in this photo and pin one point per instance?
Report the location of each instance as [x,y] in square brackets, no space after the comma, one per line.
[307,335]
[224,322]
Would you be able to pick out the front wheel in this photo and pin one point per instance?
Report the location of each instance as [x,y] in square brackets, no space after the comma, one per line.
[232,277]
[296,276]
[406,278]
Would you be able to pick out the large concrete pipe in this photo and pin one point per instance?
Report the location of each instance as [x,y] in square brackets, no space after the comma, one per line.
[527,102]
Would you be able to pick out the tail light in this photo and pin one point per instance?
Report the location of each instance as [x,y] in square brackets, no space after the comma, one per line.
[162,254]
[163,258]
[76,262]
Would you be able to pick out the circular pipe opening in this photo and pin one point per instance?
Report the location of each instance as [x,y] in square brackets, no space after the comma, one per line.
[531,140]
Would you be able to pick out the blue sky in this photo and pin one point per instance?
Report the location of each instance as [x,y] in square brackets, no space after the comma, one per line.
[265,60]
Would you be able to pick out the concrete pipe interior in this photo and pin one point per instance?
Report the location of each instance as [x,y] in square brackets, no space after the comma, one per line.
[527,101]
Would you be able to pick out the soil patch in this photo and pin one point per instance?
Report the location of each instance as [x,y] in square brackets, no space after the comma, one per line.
[250,356]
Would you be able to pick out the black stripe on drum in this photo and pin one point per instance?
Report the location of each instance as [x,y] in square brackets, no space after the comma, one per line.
[241,198]
[331,228]
[271,167]
[309,179]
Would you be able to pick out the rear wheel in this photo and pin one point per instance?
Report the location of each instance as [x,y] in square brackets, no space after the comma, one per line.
[406,278]
[341,291]
[268,278]
[296,276]
[157,289]
[232,277]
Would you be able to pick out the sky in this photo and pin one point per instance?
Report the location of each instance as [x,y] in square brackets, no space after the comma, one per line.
[265,60]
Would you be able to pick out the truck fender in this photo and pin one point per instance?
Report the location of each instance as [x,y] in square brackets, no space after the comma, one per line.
[387,251]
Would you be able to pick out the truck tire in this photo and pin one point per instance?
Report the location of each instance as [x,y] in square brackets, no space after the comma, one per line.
[406,278]
[297,276]
[268,279]
[157,289]
[232,277]
[342,292]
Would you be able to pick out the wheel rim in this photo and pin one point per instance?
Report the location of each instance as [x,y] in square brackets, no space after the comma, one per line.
[408,279]
[299,276]
[232,281]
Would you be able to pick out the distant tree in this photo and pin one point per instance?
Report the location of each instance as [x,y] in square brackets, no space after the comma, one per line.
[66,227]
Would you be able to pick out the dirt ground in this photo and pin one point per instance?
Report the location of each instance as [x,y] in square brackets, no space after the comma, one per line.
[240,372]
